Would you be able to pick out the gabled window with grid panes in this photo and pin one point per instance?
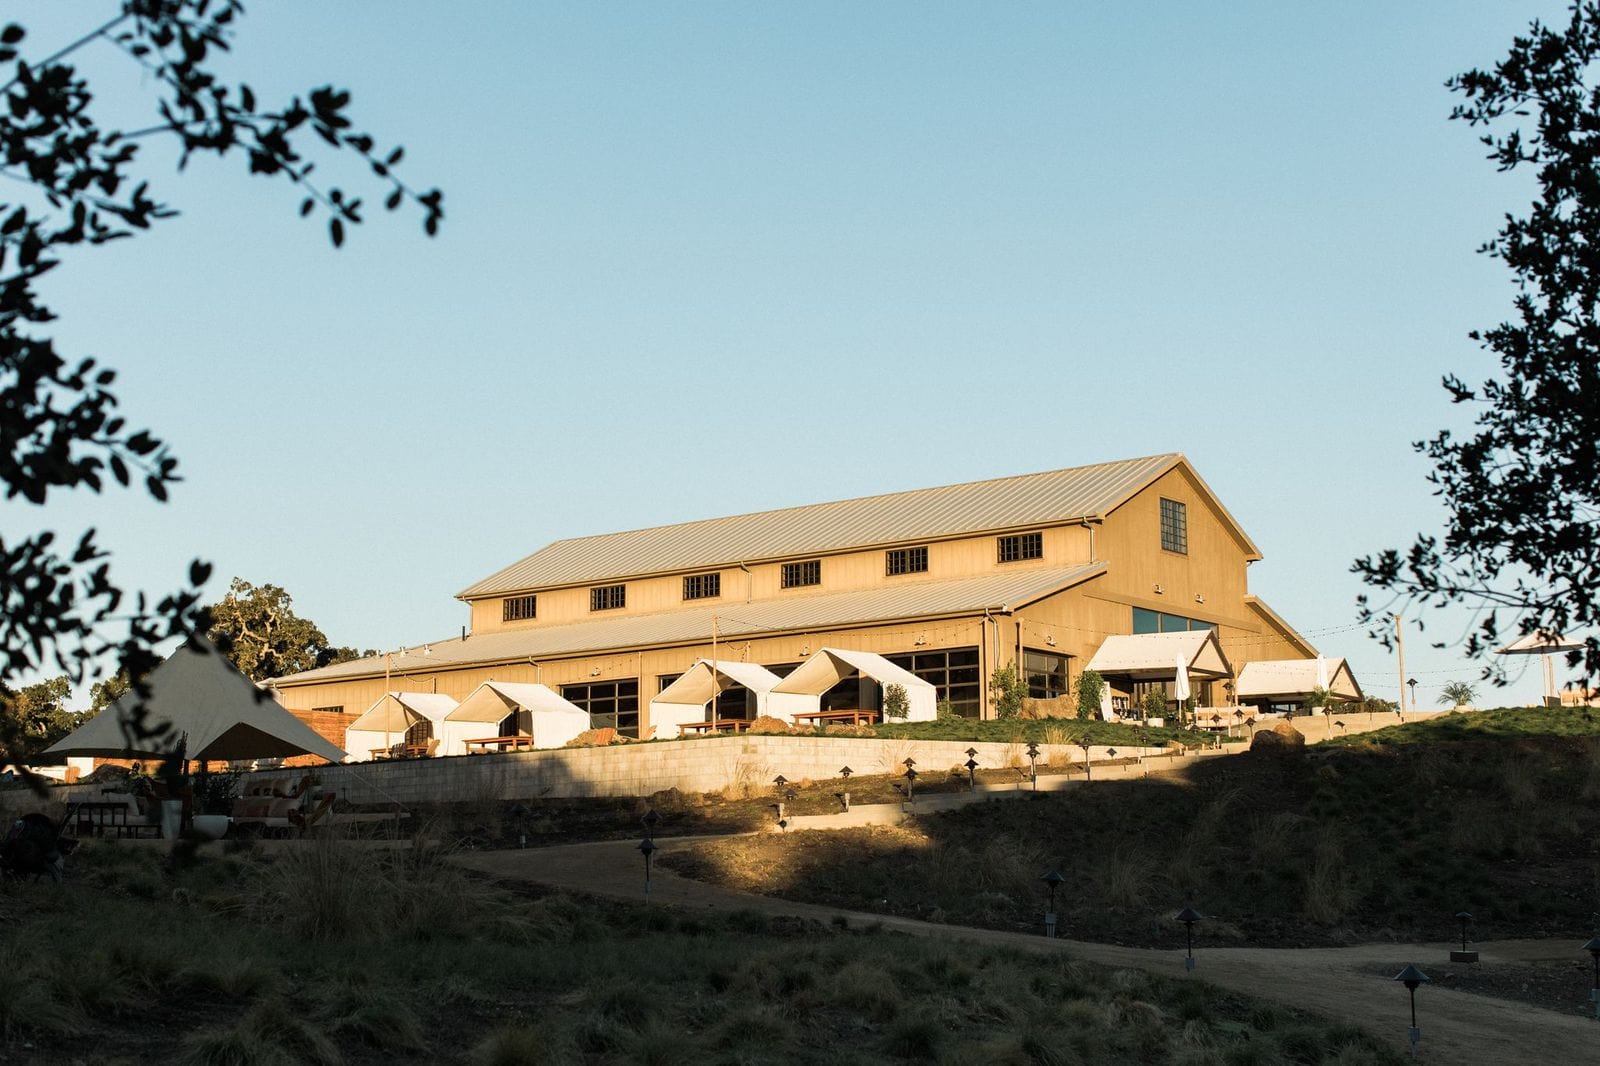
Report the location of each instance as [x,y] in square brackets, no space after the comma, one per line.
[1174,526]
[905,561]
[608,597]
[799,575]
[702,586]
[519,608]
[1016,547]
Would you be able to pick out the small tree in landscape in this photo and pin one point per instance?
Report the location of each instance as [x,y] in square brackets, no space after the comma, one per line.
[1522,490]
[895,705]
[1007,690]
[77,185]
[1091,688]
[1155,704]
[1457,694]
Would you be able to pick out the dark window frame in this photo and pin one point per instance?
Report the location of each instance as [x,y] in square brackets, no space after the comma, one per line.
[702,586]
[519,608]
[1174,526]
[1019,547]
[897,561]
[1040,684]
[335,709]
[617,700]
[804,574]
[953,672]
[608,597]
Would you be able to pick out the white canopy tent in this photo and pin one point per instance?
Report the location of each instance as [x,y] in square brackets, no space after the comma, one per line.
[539,712]
[1546,646]
[1292,680]
[829,666]
[394,714]
[200,693]
[1155,656]
[685,699]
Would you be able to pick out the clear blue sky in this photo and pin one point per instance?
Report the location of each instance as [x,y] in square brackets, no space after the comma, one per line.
[702,259]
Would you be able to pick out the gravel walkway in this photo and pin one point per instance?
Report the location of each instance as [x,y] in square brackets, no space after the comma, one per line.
[1342,983]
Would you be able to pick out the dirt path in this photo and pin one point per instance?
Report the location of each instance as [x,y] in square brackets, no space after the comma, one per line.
[1342,983]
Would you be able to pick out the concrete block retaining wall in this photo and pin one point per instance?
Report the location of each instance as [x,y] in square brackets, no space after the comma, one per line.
[702,765]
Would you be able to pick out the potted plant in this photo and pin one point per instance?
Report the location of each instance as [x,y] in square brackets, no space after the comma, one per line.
[895,704]
[1155,707]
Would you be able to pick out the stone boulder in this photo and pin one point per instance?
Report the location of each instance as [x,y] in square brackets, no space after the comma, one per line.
[1281,739]
[768,725]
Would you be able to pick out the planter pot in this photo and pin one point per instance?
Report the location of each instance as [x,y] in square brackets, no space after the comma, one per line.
[1157,723]
[171,815]
[210,826]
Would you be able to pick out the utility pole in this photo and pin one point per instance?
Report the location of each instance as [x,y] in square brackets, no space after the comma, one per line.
[1400,647]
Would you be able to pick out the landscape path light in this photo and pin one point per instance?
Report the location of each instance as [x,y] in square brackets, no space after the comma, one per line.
[647,848]
[1188,916]
[1593,948]
[1411,977]
[1088,774]
[972,769]
[844,796]
[1053,881]
[1463,919]
[1033,764]
[911,780]
[520,812]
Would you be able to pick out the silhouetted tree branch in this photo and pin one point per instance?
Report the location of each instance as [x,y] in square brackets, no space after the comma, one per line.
[78,186]
[1523,490]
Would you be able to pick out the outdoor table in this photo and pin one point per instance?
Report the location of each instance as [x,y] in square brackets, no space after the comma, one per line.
[854,717]
[516,742]
[721,725]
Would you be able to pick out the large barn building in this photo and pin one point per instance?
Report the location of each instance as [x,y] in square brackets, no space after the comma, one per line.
[950,583]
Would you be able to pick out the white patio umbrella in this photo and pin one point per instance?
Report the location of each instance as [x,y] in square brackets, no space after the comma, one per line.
[1180,686]
[1545,645]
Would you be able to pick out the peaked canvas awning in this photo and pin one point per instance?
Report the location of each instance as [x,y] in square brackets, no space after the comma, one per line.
[202,694]
[829,666]
[1155,656]
[697,684]
[492,701]
[540,713]
[395,712]
[1295,679]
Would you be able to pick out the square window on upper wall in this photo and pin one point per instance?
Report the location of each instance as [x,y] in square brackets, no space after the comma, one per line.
[799,575]
[519,608]
[608,597]
[905,561]
[1174,526]
[702,586]
[1018,546]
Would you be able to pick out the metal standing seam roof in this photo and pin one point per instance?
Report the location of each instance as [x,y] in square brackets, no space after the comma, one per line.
[997,592]
[973,507]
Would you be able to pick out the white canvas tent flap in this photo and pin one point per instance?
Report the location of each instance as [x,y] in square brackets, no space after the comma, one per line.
[202,694]
[392,716]
[685,699]
[828,666]
[1295,679]
[1154,656]
[541,713]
